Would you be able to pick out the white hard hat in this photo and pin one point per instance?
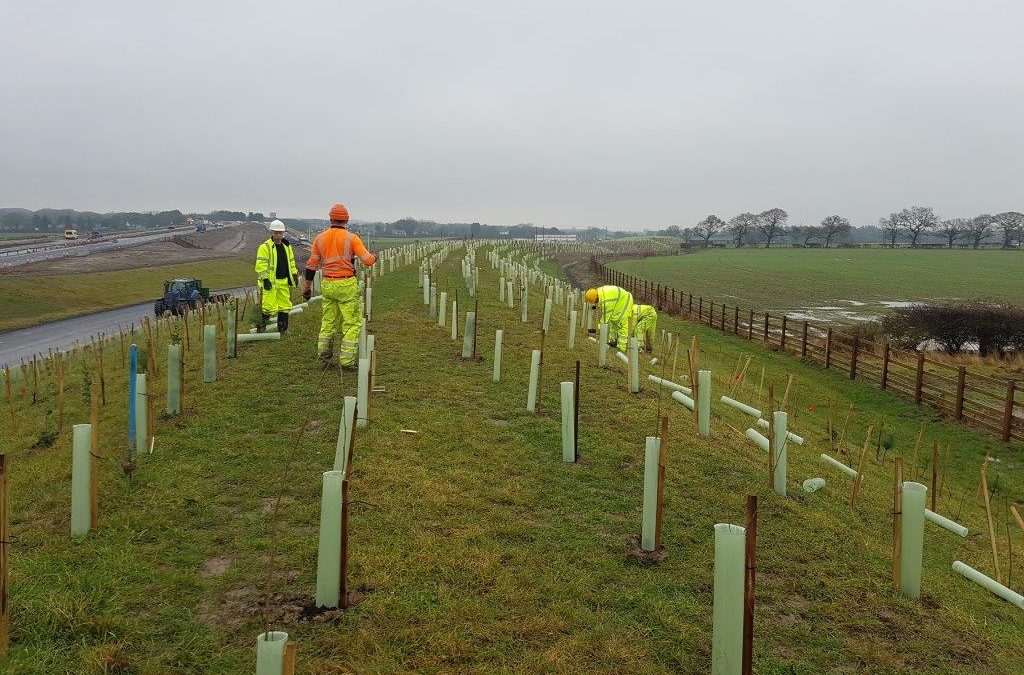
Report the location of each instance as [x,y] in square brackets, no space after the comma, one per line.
[276,226]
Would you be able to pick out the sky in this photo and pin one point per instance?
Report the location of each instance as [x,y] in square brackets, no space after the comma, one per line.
[585,113]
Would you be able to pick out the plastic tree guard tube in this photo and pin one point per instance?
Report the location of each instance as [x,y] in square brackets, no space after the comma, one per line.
[912,538]
[467,335]
[328,563]
[442,309]
[742,407]
[174,379]
[363,353]
[348,421]
[572,329]
[727,614]
[634,366]
[316,298]
[363,392]
[371,343]
[547,314]
[668,384]
[426,291]
[523,302]
[622,357]
[501,289]
[497,355]
[133,369]
[799,440]
[779,476]
[683,398]
[652,458]
[839,465]
[941,521]
[813,484]
[759,439]
[270,648]
[369,300]
[231,338]
[990,584]
[433,301]
[602,345]
[592,339]
[209,353]
[568,423]
[455,320]
[81,478]
[531,394]
[295,310]
[258,337]
[654,361]
[511,297]
[704,403]
[141,418]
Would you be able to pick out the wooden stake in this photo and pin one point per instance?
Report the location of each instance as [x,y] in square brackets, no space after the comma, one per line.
[935,474]
[343,591]
[659,512]
[860,468]
[1017,516]
[897,520]
[785,397]
[5,538]
[10,397]
[771,434]
[750,569]
[289,659]
[988,515]
[917,448]
[94,453]
[576,416]
[476,322]
[675,355]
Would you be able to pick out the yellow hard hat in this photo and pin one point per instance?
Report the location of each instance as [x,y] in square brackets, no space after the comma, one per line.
[591,295]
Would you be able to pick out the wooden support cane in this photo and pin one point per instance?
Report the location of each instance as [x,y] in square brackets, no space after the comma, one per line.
[343,590]
[94,454]
[750,570]
[659,513]
[988,516]
[860,468]
[897,520]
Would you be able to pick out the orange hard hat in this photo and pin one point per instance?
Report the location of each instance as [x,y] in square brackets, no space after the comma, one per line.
[591,295]
[339,212]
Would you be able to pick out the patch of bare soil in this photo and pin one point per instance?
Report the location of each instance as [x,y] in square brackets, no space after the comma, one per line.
[637,554]
[215,566]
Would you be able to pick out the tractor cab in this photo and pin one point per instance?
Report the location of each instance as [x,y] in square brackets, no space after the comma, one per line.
[181,294]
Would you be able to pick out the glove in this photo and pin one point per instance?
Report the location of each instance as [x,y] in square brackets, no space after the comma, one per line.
[591,330]
[267,285]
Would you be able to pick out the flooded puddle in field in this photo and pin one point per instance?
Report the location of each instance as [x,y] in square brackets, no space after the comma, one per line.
[847,311]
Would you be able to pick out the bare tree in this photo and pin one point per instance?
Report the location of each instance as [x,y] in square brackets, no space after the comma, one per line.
[741,225]
[978,228]
[918,220]
[892,226]
[708,228]
[804,233]
[1011,225]
[952,230]
[833,227]
[772,224]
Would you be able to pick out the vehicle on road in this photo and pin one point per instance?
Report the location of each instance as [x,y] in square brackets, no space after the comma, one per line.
[182,294]
[71,234]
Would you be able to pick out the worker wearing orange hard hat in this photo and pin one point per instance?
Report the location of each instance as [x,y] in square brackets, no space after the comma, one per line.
[615,307]
[334,252]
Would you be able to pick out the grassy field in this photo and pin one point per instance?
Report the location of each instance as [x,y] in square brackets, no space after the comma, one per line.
[836,283]
[477,548]
[32,300]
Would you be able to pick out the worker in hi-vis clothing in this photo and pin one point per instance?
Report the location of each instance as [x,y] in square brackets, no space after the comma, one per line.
[614,306]
[645,318]
[334,251]
[276,273]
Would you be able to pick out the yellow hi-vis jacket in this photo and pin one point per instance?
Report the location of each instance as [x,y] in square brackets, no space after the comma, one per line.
[615,305]
[266,262]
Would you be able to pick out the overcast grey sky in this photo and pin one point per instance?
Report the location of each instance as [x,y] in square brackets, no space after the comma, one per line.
[627,115]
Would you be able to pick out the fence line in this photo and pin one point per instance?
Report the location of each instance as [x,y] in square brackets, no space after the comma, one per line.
[979,400]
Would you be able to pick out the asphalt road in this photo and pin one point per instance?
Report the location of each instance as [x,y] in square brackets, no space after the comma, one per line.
[22,343]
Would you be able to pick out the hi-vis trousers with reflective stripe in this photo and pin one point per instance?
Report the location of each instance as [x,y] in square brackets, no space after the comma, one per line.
[342,318]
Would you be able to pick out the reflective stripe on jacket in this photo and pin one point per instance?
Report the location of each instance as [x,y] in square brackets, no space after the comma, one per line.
[333,250]
[615,303]
[266,262]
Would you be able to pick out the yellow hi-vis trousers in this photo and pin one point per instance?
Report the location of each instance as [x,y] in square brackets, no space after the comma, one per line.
[646,322]
[278,298]
[342,316]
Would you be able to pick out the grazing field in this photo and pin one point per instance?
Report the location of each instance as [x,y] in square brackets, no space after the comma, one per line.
[31,300]
[475,547]
[836,284]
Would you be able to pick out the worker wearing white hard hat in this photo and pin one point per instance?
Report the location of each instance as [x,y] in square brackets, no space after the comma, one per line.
[276,274]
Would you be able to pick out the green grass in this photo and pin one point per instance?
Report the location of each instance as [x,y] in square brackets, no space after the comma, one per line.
[32,300]
[480,549]
[812,279]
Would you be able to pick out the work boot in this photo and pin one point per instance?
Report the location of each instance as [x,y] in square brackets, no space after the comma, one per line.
[282,322]
[266,320]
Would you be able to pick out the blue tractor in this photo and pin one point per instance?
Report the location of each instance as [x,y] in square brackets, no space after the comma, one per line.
[180,295]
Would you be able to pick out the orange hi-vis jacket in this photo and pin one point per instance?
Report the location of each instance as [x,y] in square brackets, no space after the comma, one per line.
[332,252]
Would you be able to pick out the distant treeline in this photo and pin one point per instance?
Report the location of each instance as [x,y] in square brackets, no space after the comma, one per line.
[58,220]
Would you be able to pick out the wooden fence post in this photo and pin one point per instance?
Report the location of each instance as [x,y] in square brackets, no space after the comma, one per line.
[803,342]
[828,348]
[750,326]
[766,327]
[853,357]
[689,309]
[885,365]
[736,321]
[700,309]
[722,321]
[961,377]
[711,314]
[1011,387]
[782,341]
[919,380]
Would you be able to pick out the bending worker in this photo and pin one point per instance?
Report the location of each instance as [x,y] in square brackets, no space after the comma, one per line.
[615,307]
[645,318]
[276,273]
[333,251]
